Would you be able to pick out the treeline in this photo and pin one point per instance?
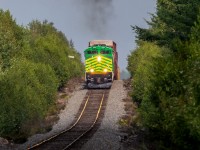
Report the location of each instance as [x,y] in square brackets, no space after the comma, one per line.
[165,68]
[34,64]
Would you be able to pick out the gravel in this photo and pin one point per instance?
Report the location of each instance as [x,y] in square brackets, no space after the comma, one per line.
[108,136]
[66,117]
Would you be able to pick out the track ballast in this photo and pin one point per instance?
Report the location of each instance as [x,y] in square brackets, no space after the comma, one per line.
[86,123]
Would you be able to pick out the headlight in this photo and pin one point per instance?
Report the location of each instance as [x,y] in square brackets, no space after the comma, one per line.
[91,70]
[105,70]
[99,58]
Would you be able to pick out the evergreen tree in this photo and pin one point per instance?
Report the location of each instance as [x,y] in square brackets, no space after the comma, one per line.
[166,74]
[71,43]
[173,20]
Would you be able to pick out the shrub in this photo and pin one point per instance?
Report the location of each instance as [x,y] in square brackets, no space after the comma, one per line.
[166,86]
[142,70]
[26,90]
[49,46]
[10,38]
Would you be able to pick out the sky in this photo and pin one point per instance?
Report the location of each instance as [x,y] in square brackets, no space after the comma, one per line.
[86,20]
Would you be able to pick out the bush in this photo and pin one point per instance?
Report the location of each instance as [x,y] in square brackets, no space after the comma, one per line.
[34,63]
[49,46]
[167,88]
[26,92]
[10,38]
[141,66]
[167,84]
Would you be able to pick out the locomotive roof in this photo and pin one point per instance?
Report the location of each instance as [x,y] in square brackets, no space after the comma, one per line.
[109,43]
[101,47]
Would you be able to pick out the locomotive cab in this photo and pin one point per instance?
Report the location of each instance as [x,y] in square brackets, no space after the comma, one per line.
[100,64]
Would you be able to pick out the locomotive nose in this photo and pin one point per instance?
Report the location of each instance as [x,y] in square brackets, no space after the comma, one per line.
[99,58]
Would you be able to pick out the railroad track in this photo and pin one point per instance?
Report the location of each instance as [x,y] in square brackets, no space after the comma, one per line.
[86,123]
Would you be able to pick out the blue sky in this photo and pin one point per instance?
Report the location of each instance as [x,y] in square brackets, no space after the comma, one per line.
[112,20]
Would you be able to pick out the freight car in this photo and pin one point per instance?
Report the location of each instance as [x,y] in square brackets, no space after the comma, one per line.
[101,64]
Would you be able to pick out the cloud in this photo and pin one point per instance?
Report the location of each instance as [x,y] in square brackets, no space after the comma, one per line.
[96,15]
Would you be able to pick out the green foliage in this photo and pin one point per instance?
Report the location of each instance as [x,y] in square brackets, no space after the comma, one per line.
[166,81]
[173,20]
[34,63]
[27,90]
[168,93]
[51,47]
[140,65]
[10,38]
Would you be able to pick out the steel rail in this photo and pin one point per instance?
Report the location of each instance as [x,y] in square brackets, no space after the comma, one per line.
[97,116]
[54,136]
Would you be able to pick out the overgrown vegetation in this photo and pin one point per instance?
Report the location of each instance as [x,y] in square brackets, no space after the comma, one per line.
[34,64]
[166,74]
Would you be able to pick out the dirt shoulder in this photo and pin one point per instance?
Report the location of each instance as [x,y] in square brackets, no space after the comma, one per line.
[136,136]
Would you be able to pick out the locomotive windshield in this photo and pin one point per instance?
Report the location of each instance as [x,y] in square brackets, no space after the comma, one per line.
[92,52]
[105,52]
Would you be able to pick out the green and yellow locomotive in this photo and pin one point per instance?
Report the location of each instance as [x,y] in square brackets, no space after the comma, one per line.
[101,64]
